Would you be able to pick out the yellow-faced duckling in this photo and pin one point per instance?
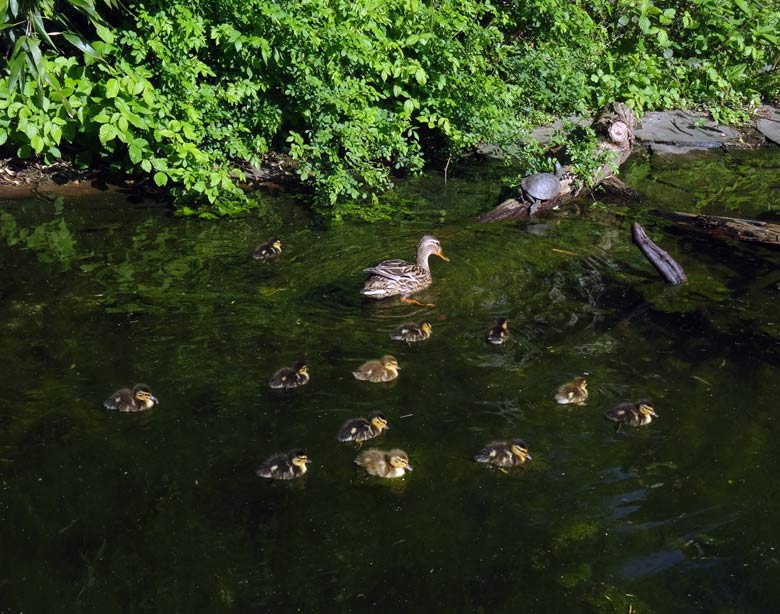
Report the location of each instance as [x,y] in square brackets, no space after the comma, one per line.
[499,333]
[290,377]
[383,370]
[268,250]
[140,398]
[399,277]
[384,464]
[362,429]
[412,333]
[285,466]
[575,392]
[504,453]
[640,413]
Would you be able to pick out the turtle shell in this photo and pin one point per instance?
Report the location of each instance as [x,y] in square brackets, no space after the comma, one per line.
[542,186]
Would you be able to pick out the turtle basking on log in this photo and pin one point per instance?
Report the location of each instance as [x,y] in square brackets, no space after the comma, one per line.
[541,186]
[614,129]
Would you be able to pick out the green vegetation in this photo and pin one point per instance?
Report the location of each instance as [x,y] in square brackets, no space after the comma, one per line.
[353,92]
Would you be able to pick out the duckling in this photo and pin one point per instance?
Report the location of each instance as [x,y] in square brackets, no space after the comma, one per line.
[575,392]
[290,377]
[384,464]
[504,453]
[640,413]
[383,370]
[268,250]
[140,398]
[284,466]
[362,429]
[499,333]
[412,333]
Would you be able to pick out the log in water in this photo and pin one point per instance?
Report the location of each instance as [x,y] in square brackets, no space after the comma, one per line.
[666,265]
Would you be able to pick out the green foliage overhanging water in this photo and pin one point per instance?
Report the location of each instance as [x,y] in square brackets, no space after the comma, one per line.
[187,94]
[162,511]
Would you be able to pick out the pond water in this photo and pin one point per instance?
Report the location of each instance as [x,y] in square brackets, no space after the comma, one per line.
[163,512]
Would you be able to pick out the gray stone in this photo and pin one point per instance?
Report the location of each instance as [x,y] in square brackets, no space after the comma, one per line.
[664,149]
[544,134]
[768,123]
[682,132]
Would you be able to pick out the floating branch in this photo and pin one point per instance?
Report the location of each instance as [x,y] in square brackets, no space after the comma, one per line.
[666,265]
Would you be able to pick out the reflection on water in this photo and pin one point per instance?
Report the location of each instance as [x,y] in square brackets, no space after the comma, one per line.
[163,511]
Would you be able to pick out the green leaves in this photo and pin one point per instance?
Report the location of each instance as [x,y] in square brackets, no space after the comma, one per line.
[352,90]
[28,24]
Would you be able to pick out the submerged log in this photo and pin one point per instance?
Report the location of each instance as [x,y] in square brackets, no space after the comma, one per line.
[728,227]
[614,127]
[661,260]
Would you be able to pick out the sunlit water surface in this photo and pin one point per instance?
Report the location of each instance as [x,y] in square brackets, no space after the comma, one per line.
[162,511]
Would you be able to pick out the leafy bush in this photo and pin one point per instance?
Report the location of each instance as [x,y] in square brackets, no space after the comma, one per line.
[354,92]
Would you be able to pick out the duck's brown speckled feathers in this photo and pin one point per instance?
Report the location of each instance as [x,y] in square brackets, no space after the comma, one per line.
[285,466]
[140,398]
[640,413]
[575,392]
[504,453]
[383,370]
[384,463]
[362,429]
[499,333]
[399,277]
[268,250]
[290,377]
[412,333]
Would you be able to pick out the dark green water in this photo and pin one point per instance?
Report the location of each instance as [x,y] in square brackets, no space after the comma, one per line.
[162,511]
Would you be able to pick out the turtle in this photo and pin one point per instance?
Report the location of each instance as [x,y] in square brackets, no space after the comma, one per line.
[542,186]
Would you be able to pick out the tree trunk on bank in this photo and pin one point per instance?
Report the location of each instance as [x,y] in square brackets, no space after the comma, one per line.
[614,127]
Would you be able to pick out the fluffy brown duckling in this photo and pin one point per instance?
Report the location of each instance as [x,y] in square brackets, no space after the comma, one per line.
[140,398]
[290,377]
[284,466]
[383,370]
[268,250]
[640,413]
[362,429]
[575,392]
[499,333]
[383,463]
[412,333]
[504,453]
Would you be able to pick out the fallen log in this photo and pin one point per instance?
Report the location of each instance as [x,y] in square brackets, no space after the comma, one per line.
[661,260]
[726,227]
[614,126]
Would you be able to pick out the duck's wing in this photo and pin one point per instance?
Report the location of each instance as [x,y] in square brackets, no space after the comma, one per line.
[394,269]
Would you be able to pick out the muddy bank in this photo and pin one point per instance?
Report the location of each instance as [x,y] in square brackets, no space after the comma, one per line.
[673,132]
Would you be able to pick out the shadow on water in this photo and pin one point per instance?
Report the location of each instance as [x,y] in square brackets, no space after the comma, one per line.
[163,511]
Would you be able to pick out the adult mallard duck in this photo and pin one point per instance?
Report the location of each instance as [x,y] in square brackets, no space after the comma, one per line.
[140,398]
[504,453]
[362,429]
[384,464]
[575,392]
[383,370]
[640,413]
[285,466]
[399,277]
[268,250]
[412,333]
